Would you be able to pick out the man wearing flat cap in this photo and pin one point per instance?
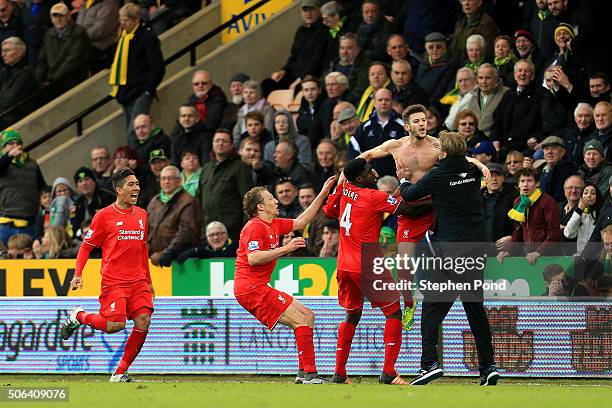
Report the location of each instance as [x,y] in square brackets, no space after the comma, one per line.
[92,198]
[437,75]
[558,167]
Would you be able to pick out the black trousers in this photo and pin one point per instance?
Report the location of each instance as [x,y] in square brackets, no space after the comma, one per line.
[432,315]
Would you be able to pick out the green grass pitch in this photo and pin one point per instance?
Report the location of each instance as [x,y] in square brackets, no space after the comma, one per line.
[168,391]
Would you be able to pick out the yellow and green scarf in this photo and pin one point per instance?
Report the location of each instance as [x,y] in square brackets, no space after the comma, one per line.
[451,97]
[519,210]
[118,75]
[18,161]
[366,104]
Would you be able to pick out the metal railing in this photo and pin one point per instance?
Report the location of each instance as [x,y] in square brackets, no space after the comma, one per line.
[189,49]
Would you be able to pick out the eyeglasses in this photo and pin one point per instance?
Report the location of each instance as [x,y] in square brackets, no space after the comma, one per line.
[216,234]
[57,15]
[201,83]
[467,124]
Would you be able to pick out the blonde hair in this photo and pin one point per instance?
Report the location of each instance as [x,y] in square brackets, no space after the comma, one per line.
[453,144]
[58,241]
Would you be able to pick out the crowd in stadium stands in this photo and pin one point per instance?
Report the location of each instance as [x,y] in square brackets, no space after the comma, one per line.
[526,83]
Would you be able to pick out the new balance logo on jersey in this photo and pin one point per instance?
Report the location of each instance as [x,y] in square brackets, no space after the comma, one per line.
[282,299]
[405,234]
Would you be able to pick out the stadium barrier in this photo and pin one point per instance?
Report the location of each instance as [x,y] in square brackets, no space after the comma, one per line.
[532,338]
[215,277]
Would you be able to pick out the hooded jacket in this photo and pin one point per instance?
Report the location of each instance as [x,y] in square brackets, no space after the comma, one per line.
[304,153]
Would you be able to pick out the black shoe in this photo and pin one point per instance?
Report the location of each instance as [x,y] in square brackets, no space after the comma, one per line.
[427,375]
[71,323]
[299,378]
[489,376]
[313,378]
[339,379]
[391,379]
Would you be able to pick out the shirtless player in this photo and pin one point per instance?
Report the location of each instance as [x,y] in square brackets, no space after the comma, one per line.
[417,152]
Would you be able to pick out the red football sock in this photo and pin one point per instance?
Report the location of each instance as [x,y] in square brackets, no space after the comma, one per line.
[393,344]
[132,348]
[96,321]
[305,346]
[346,332]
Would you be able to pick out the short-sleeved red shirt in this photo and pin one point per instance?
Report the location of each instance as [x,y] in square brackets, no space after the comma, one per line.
[122,235]
[360,211]
[257,235]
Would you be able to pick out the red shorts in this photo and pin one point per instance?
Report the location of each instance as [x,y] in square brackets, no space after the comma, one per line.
[352,288]
[266,304]
[411,229]
[122,301]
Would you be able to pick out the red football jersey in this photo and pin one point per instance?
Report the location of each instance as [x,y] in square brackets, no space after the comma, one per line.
[360,211]
[122,235]
[257,235]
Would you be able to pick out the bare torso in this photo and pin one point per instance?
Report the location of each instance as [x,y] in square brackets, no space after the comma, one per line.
[419,156]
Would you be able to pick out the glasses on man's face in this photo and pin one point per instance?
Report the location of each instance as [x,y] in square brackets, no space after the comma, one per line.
[201,83]
[215,234]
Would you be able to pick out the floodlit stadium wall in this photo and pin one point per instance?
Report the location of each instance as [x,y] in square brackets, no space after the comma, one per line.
[532,337]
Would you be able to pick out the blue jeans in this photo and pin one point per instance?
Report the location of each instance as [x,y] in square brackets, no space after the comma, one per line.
[8,230]
[140,105]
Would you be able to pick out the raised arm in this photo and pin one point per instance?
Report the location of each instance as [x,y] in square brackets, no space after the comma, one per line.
[383,150]
[483,168]
[304,218]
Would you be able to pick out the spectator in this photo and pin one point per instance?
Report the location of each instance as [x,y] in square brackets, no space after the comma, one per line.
[504,60]
[189,132]
[460,96]
[582,221]
[517,117]
[224,179]
[352,63]
[527,49]
[35,21]
[335,130]
[558,283]
[149,186]
[149,137]
[378,77]
[497,199]
[99,19]
[102,164]
[138,67]
[310,105]
[473,21]
[486,97]
[20,247]
[337,87]
[250,154]
[253,101]
[21,182]
[286,193]
[331,15]
[426,17]
[434,121]
[190,163]
[284,129]
[599,88]
[92,197]
[349,123]
[484,152]
[558,167]
[436,76]
[572,188]
[306,195]
[405,90]
[17,80]
[593,247]
[331,238]
[384,124]
[286,164]
[209,100]
[217,244]
[324,164]
[467,125]
[307,52]
[564,56]
[475,46]
[43,218]
[374,31]
[536,219]
[542,23]
[398,49]
[256,130]
[126,157]
[236,86]
[557,103]
[596,169]
[55,244]
[514,162]
[603,124]
[10,24]
[63,61]
[174,219]
[62,210]
[578,132]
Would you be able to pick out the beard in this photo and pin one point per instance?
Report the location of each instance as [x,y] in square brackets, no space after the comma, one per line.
[237,99]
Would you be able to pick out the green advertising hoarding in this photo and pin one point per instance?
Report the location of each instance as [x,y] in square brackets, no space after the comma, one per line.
[317,276]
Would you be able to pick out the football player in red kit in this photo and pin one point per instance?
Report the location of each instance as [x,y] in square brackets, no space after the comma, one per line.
[256,257]
[360,208]
[127,293]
